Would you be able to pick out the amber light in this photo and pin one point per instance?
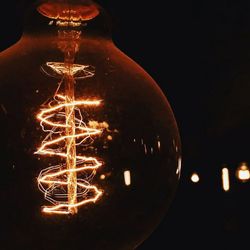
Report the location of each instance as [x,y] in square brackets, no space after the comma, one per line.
[55,176]
[91,155]
[74,12]
[243,172]
[63,121]
[225,179]
[127,178]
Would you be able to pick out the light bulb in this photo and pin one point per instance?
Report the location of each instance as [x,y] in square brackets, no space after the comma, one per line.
[90,152]
[195,178]
[243,172]
[225,176]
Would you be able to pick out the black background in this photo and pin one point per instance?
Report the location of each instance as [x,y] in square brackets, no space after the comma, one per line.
[199,53]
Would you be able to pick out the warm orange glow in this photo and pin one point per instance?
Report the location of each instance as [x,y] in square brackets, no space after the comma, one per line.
[54,180]
[103,177]
[68,11]
[58,69]
[127,178]
[68,185]
[243,172]
[225,179]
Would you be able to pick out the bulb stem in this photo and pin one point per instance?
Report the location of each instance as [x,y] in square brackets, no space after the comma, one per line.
[70,49]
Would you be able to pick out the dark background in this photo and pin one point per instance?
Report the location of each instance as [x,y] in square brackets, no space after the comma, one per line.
[199,53]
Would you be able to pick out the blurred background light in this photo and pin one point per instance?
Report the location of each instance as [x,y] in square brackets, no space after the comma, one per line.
[127,178]
[225,179]
[195,178]
[242,172]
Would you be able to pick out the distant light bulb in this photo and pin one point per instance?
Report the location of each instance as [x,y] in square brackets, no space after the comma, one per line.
[243,172]
[75,114]
[225,179]
[195,178]
[127,178]
[103,177]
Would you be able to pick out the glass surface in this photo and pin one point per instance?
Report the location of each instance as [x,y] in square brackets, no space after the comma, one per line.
[90,128]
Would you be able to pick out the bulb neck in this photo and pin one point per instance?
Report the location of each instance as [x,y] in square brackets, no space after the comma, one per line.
[47,17]
[68,43]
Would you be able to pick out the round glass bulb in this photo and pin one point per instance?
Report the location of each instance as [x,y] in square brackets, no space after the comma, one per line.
[90,152]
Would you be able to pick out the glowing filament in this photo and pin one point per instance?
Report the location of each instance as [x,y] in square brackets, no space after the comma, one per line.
[60,184]
[67,185]
[59,69]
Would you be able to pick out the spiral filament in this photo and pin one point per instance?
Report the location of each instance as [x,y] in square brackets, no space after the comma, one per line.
[67,186]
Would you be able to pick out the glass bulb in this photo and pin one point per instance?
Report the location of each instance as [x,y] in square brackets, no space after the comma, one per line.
[90,152]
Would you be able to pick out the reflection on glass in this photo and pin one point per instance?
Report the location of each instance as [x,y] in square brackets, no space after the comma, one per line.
[159,144]
[142,141]
[103,177]
[152,150]
[127,178]
[153,147]
[195,178]
[225,179]
[242,172]
[178,170]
